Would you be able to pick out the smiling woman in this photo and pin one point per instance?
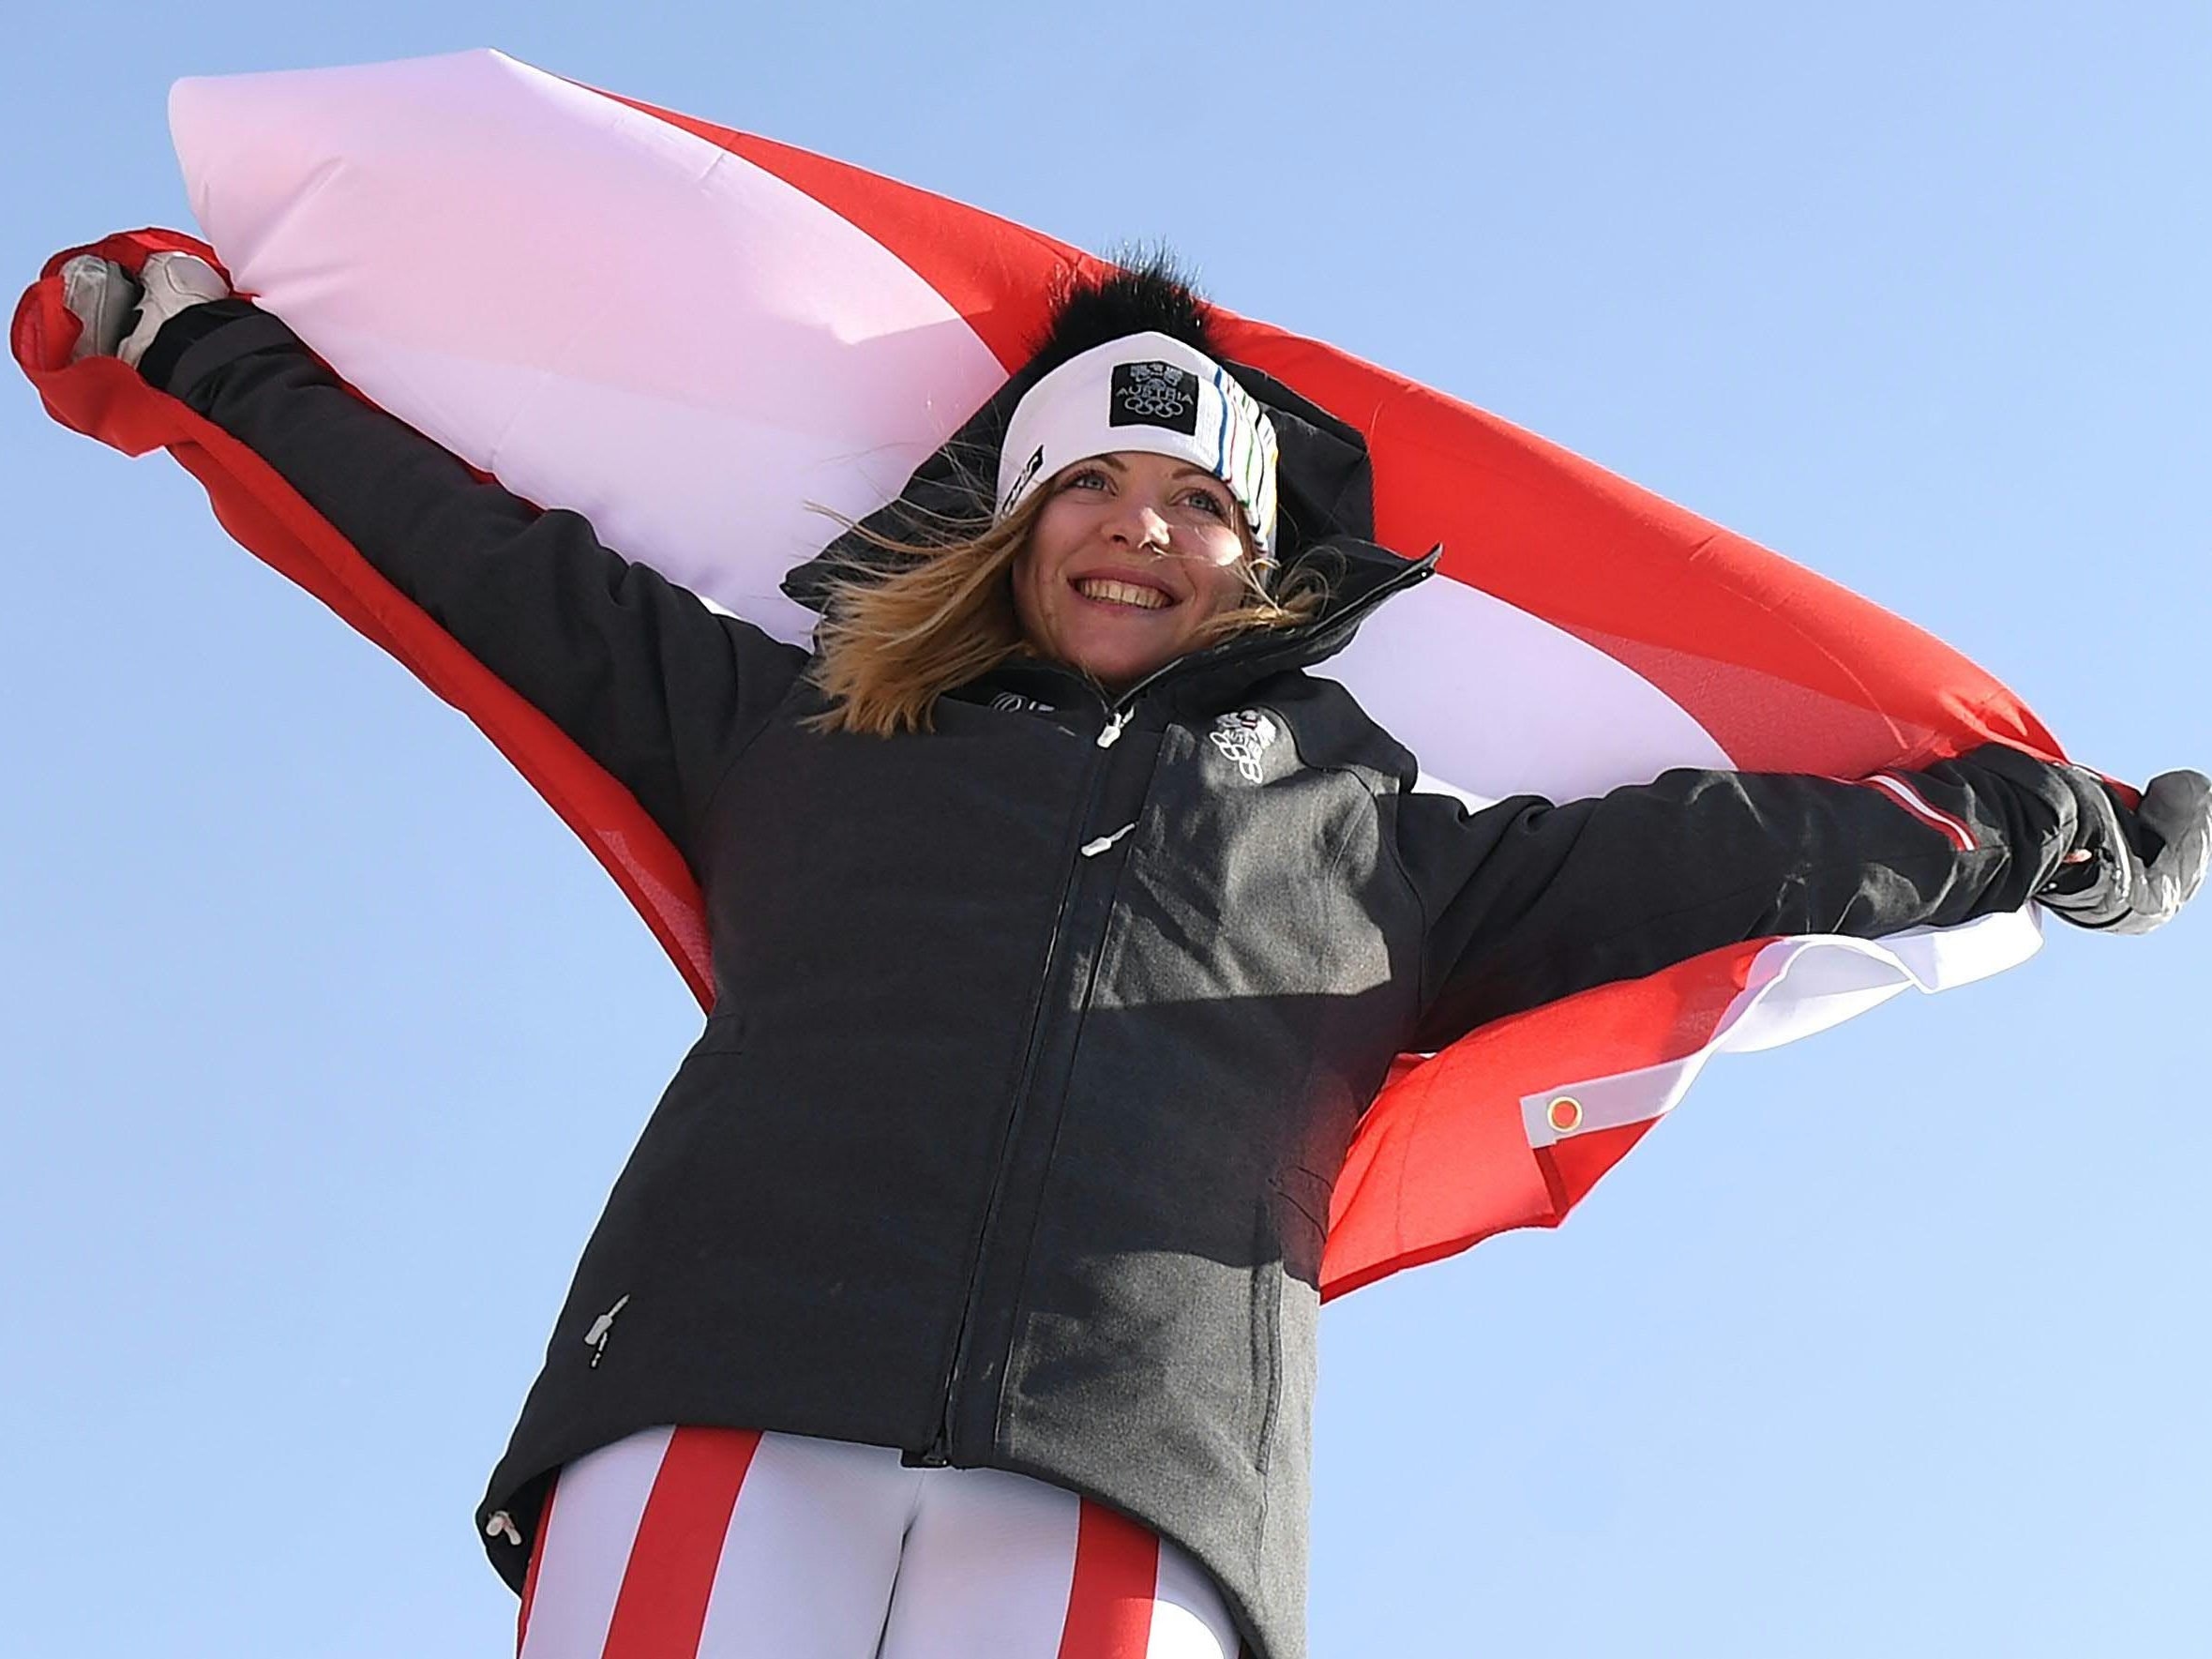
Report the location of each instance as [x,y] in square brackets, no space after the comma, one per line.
[1134,524]
[961,1295]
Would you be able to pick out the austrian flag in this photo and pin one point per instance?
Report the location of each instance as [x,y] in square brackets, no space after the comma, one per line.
[1581,633]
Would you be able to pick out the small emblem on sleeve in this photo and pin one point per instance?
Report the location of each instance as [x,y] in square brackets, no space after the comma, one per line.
[1914,802]
[1154,395]
[1564,1114]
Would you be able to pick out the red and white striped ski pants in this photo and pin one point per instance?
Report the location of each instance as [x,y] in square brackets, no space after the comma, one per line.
[732,1544]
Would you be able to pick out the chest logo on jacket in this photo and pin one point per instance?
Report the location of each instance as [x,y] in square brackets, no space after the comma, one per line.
[1244,736]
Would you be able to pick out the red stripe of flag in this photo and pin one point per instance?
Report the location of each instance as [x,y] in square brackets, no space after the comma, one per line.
[663,1604]
[537,1555]
[1115,1580]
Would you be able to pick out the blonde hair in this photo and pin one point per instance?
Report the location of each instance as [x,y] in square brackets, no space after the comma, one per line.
[891,645]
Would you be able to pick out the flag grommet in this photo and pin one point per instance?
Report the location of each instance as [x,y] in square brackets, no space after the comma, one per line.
[1564,1114]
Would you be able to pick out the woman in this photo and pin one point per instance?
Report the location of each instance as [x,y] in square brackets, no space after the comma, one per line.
[959,1295]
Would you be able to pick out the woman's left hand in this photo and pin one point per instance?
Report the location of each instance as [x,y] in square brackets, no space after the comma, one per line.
[2149,862]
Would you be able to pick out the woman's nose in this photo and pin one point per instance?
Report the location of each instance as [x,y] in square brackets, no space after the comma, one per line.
[1142,526]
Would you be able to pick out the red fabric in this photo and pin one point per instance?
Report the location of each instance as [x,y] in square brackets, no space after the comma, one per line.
[1111,1596]
[994,272]
[663,1603]
[538,1554]
[1788,671]
[1406,1195]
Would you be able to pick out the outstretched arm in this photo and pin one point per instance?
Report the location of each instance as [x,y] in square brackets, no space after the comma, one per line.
[1528,901]
[657,687]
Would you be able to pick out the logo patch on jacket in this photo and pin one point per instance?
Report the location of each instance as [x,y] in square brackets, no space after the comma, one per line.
[1154,395]
[1244,736]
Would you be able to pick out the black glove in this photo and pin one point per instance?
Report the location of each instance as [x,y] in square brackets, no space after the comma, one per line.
[2144,865]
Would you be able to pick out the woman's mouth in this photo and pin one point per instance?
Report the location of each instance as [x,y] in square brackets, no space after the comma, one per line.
[1106,590]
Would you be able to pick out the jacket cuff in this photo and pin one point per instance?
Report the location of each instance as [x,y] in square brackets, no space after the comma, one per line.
[2101,829]
[202,339]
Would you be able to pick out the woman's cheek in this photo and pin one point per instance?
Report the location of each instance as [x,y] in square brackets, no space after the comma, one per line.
[1028,598]
[1225,587]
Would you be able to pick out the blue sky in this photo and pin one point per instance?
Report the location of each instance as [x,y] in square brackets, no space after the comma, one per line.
[320,1039]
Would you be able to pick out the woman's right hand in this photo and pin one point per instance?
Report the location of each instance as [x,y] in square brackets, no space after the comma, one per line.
[120,313]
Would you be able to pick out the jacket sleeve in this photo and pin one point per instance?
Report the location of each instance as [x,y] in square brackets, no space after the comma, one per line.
[1526,902]
[652,684]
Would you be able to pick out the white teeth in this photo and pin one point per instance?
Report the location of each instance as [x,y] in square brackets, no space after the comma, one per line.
[1121,593]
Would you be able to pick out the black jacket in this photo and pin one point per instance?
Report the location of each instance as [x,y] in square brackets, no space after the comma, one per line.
[1038,1039]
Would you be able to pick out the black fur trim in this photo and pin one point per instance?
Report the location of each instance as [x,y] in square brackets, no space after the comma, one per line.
[1147,293]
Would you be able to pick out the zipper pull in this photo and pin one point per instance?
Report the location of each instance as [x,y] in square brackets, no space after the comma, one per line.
[603,1327]
[1111,733]
[1103,844]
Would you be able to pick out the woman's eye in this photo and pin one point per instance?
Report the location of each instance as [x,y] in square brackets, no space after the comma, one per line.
[1088,478]
[1210,502]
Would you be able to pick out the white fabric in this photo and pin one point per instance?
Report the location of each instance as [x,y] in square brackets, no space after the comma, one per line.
[1797,987]
[580,1571]
[1153,394]
[836,1551]
[489,251]
[1497,702]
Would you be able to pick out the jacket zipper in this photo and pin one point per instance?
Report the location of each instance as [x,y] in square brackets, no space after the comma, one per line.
[939,1451]
[1117,709]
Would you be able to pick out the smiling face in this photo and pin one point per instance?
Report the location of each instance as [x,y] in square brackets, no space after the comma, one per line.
[1130,556]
